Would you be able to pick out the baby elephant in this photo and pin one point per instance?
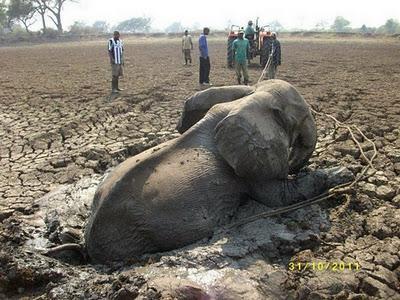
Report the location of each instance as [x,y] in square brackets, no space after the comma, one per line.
[237,142]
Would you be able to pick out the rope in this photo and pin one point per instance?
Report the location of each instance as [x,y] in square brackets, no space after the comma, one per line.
[337,190]
[264,71]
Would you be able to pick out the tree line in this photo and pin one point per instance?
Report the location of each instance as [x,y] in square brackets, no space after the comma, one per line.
[133,25]
[24,13]
[340,24]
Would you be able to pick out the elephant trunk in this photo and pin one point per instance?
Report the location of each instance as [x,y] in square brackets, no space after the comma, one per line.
[305,186]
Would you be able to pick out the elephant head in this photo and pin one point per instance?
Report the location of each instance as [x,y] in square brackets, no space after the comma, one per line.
[267,133]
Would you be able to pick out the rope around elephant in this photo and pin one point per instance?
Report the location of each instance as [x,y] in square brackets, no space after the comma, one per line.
[338,190]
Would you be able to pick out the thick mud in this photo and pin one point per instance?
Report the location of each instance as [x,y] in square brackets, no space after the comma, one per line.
[60,133]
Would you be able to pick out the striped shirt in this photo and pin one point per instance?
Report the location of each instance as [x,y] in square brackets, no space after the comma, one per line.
[116,48]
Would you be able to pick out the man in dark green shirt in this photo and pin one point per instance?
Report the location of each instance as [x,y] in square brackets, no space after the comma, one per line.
[241,47]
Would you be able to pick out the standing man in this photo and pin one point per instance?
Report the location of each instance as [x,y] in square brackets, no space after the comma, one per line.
[115,52]
[204,59]
[273,49]
[241,47]
[187,46]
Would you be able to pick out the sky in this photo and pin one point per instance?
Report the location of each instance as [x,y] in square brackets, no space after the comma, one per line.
[218,13]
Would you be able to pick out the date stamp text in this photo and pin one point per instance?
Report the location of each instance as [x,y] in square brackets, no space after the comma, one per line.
[324,266]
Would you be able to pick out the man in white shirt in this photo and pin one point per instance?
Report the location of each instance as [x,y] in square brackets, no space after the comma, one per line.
[187,46]
[115,52]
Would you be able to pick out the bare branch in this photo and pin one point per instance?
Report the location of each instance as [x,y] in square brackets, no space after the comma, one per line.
[54,21]
[51,10]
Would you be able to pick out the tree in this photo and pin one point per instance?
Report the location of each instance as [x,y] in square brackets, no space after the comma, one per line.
[22,11]
[80,27]
[340,24]
[364,29]
[391,26]
[174,28]
[141,24]
[101,27]
[321,25]
[3,15]
[276,26]
[55,8]
[41,9]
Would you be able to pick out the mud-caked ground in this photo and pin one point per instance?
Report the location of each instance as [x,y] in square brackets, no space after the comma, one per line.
[61,132]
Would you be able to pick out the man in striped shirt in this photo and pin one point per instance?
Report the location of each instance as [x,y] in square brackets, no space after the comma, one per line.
[115,52]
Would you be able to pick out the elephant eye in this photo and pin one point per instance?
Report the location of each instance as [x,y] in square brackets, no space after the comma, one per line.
[278,116]
[283,120]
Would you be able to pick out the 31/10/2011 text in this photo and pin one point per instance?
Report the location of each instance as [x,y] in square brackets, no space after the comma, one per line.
[324,266]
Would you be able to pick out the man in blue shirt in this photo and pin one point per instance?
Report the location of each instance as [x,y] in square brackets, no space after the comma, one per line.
[204,59]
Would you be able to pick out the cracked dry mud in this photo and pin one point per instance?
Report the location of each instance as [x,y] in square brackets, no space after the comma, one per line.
[60,134]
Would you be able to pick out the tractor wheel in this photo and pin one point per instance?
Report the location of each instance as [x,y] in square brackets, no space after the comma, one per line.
[229,52]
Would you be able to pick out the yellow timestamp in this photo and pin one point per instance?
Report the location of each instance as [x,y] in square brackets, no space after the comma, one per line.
[324,266]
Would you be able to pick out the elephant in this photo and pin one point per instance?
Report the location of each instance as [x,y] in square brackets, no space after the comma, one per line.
[236,143]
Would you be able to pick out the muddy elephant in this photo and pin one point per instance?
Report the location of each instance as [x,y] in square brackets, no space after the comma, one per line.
[237,143]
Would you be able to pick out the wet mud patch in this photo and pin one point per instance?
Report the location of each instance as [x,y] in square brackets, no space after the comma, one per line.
[255,255]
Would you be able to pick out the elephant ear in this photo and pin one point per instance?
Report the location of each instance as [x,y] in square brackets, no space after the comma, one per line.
[252,140]
[197,106]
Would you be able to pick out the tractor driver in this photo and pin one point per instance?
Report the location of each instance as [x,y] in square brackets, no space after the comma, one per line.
[249,32]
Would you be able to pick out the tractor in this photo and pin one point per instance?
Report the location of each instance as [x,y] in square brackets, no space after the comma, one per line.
[257,41]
